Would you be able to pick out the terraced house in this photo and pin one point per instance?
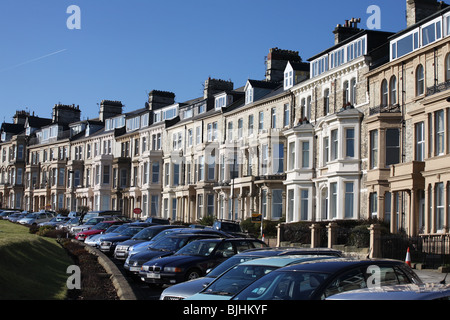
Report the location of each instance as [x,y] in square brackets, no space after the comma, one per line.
[359,130]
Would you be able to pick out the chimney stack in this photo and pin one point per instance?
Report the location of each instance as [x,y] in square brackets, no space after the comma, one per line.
[277,61]
[65,114]
[347,30]
[109,109]
[213,86]
[158,99]
[417,10]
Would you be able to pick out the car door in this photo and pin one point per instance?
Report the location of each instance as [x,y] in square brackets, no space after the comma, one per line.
[223,251]
[350,280]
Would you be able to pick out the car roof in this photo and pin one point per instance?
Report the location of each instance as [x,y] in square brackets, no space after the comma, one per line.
[280,261]
[425,291]
[332,265]
[289,251]
[229,239]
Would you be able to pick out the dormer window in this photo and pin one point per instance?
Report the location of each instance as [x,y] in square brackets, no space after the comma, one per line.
[221,101]
[249,95]
[201,108]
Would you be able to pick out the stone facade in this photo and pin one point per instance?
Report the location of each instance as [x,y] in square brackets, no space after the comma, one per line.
[359,131]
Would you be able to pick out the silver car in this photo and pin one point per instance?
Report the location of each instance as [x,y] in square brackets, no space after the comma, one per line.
[36,217]
[426,291]
[187,289]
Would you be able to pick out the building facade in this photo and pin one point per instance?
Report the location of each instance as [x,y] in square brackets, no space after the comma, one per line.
[358,131]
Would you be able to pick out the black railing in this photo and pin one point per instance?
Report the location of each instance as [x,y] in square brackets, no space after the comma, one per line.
[384,109]
[443,86]
[432,252]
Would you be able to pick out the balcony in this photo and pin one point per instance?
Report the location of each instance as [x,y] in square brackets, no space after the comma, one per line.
[443,86]
[384,109]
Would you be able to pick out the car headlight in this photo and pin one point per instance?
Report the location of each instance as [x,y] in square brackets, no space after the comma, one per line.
[172,269]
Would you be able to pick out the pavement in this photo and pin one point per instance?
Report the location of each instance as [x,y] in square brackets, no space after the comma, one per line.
[431,275]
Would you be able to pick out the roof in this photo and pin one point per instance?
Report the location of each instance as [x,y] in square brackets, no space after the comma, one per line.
[299,66]
[263,84]
[429,18]
[288,251]
[37,122]
[12,128]
[281,261]
[427,291]
[332,265]
[354,37]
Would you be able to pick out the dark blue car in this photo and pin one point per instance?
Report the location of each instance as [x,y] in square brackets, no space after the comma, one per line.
[192,261]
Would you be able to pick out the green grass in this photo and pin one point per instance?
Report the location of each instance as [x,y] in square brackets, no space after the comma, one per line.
[31,267]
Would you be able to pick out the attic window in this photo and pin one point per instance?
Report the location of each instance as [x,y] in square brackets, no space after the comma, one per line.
[249,95]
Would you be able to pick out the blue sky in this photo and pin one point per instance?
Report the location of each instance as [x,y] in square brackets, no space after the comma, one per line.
[125,49]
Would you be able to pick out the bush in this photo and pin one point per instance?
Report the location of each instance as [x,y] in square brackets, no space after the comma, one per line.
[254,229]
[206,221]
[297,232]
[47,231]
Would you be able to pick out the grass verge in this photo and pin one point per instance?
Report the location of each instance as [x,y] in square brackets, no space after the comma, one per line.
[32,267]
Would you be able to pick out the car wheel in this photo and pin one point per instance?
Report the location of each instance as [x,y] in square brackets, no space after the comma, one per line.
[193,274]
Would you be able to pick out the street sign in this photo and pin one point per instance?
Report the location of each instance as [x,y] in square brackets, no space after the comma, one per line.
[256,217]
[137,211]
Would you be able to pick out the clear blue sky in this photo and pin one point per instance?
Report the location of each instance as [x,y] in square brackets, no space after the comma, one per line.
[126,48]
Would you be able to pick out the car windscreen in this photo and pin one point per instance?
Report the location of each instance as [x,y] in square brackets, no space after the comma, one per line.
[237,278]
[31,215]
[145,234]
[131,231]
[169,243]
[198,248]
[122,228]
[285,285]
[227,264]
[101,226]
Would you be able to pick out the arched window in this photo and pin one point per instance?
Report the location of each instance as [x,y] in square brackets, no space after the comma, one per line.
[393,90]
[384,93]
[420,80]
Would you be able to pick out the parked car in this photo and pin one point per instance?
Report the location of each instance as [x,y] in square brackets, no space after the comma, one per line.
[5,214]
[16,216]
[108,242]
[89,224]
[240,276]
[426,291]
[194,259]
[186,289]
[164,247]
[157,220]
[92,214]
[229,226]
[94,240]
[319,280]
[69,224]
[141,246]
[56,221]
[96,229]
[122,248]
[146,244]
[36,217]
